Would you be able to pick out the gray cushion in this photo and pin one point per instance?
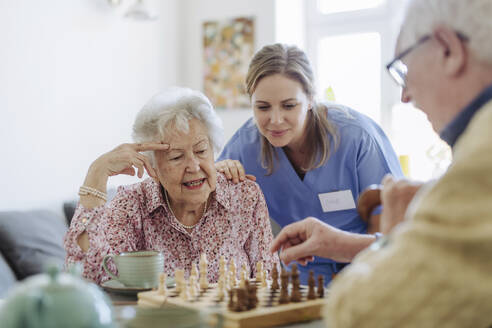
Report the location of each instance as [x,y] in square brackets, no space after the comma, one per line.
[7,277]
[30,240]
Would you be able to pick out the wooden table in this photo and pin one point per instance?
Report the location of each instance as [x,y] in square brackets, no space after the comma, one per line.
[125,309]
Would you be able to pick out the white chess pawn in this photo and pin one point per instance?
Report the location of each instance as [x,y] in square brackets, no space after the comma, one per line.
[222,264]
[264,283]
[232,268]
[220,288]
[232,279]
[194,271]
[179,279]
[193,292]
[185,296]
[243,276]
[162,284]
[203,272]
[259,272]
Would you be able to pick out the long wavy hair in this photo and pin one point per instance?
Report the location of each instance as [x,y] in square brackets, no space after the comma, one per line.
[293,63]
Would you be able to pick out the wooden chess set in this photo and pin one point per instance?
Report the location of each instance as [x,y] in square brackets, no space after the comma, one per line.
[233,303]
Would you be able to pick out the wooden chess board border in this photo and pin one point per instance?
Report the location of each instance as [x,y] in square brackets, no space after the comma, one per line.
[259,317]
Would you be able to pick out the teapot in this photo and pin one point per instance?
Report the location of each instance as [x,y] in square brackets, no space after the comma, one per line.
[56,300]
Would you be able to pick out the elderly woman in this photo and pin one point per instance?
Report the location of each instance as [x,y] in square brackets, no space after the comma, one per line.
[184,209]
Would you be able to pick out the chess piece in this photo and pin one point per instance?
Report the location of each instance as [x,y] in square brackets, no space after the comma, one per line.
[231,304]
[162,284]
[242,276]
[321,286]
[275,278]
[284,285]
[194,271]
[295,295]
[232,274]
[311,284]
[231,280]
[232,267]
[259,272]
[203,272]
[185,296]
[241,300]
[264,279]
[252,296]
[179,279]
[221,288]
[192,289]
[222,265]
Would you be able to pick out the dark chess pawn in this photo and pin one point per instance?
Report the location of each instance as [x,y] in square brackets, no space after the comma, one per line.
[231,304]
[241,300]
[252,297]
[321,286]
[275,285]
[295,295]
[311,284]
[284,290]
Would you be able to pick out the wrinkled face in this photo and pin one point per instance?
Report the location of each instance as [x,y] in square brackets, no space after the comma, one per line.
[187,169]
[425,81]
[280,107]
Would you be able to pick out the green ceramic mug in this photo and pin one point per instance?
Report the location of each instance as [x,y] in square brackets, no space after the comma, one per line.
[137,269]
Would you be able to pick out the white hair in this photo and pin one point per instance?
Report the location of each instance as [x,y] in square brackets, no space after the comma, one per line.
[175,107]
[473,18]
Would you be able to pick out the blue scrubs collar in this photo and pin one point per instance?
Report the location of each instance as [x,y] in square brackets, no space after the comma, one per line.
[453,130]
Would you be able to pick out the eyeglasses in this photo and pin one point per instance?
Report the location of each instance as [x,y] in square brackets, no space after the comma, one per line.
[398,70]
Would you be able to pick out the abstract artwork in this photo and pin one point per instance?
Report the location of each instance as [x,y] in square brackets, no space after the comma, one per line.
[228,47]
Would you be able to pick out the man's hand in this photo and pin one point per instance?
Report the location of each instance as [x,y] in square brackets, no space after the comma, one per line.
[395,197]
[303,240]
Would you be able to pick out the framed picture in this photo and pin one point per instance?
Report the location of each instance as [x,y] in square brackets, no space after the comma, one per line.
[228,47]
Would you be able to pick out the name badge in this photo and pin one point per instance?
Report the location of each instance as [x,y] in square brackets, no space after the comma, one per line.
[337,201]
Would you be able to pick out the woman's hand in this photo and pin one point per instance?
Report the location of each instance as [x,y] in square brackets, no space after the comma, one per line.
[121,160]
[233,170]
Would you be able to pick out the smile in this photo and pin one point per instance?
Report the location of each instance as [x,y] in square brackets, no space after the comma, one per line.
[278,133]
[194,184]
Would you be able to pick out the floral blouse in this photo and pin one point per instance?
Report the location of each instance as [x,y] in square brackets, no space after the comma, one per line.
[235,225]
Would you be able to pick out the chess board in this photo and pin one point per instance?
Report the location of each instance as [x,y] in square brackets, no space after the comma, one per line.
[268,313]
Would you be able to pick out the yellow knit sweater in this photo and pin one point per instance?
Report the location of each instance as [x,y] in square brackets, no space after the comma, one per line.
[436,269]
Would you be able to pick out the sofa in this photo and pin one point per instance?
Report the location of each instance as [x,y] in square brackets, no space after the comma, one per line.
[30,241]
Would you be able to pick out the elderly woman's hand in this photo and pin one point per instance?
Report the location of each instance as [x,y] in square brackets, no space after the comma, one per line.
[122,160]
[233,170]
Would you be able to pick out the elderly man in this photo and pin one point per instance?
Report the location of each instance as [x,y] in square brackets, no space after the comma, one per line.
[435,268]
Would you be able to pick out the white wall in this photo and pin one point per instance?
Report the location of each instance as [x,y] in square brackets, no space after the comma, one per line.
[72,76]
[194,13]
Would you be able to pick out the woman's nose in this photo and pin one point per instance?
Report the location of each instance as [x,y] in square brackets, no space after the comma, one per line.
[193,164]
[276,116]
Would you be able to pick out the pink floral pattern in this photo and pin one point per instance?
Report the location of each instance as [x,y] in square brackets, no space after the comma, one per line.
[235,225]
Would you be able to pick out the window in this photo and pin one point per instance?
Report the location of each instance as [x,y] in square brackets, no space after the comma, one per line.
[349,43]
[356,83]
[333,6]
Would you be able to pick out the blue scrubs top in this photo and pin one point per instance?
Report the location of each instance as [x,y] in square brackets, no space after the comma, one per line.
[363,157]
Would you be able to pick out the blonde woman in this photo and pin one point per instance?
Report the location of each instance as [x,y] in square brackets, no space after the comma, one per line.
[309,158]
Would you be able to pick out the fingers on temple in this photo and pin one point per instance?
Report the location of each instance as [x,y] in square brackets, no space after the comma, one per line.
[150,146]
[148,166]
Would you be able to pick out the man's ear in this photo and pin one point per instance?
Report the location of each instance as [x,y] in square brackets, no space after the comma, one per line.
[453,53]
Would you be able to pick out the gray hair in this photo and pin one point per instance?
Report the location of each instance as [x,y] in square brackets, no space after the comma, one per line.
[473,18]
[175,107]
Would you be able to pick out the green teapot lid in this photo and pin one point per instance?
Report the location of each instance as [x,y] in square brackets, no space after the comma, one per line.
[56,300]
